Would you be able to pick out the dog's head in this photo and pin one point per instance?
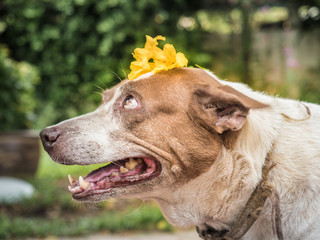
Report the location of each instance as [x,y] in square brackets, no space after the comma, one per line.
[158,133]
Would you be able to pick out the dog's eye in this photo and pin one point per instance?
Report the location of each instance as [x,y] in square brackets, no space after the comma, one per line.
[130,102]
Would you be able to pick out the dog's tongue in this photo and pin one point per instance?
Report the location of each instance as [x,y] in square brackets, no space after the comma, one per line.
[101,173]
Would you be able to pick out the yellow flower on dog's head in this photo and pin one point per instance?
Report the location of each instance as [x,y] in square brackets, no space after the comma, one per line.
[153,59]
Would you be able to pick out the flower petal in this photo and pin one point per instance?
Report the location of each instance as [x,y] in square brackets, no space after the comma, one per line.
[170,54]
[153,59]
[181,60]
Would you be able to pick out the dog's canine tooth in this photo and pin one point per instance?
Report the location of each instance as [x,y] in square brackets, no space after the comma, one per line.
[71,180]
[123,169]
[83,184]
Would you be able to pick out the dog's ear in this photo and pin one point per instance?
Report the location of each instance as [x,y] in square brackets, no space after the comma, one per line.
[221,108]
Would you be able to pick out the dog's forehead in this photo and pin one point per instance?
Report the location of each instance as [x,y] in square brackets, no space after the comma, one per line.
[184,76]
[171,81]
[178,82]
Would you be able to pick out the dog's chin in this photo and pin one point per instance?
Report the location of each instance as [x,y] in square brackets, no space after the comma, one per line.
[115,179]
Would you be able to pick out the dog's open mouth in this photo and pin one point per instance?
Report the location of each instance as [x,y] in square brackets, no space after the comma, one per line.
[116,174]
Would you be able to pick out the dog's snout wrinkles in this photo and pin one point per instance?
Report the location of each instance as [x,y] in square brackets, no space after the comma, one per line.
[49,136]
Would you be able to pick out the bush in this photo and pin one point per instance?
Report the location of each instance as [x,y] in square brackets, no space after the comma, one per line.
[80,44]
[17,92]
[52,212]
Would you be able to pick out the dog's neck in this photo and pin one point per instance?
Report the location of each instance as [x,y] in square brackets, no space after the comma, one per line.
[251,211]
[200,200]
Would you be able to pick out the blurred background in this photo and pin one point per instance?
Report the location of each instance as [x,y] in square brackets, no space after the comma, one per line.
[57,55]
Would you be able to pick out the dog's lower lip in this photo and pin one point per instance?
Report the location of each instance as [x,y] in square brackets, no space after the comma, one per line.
[120,173]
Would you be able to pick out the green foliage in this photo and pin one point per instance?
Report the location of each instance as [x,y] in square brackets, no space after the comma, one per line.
[81,44]
[17,92]
[48,198]
[146,218]
[52,212]
[310,89]
[49,169]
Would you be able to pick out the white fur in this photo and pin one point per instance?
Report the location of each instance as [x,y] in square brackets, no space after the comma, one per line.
[146,75]
[93,132]
[293,139]
[284,129]
[294,142]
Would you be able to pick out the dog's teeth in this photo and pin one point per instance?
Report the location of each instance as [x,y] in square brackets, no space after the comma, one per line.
[123,169]
[83,184]
[76,189]
[139,160]
[114,174]
[127,165]
[131,164]
[70,188]
[71,180]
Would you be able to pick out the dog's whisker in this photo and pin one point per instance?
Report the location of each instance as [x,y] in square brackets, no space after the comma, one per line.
[136,209]
[125,74]
[103,85]
[99,87]
[117,76]
[117,163]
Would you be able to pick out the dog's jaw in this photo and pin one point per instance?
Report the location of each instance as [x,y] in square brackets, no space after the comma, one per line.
[119,174]
[211,199]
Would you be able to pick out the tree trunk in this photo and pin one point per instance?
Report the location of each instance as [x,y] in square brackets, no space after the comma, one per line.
[246,38]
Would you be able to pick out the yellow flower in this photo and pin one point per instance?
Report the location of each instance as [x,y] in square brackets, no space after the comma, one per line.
[153,59]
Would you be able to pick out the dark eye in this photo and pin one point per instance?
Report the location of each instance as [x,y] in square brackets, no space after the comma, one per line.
[130,102]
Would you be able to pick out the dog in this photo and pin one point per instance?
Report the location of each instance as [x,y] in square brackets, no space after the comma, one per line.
[198,146]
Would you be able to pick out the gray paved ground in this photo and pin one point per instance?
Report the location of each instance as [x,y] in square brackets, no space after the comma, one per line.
[186,235]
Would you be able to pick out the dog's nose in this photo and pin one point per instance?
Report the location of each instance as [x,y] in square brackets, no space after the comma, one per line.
[49,136]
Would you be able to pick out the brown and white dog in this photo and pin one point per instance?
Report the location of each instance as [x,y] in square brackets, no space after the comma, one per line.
[197,145]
